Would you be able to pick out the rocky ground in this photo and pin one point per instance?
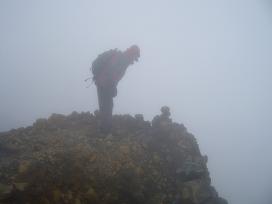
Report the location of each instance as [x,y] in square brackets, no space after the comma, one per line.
[65,159]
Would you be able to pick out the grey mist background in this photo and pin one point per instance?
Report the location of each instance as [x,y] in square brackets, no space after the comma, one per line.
[210,61]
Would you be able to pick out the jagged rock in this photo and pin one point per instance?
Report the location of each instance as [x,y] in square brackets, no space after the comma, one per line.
[5,191]
[139,117]
[23,166]
[20,186]
[65,159]
[165,112]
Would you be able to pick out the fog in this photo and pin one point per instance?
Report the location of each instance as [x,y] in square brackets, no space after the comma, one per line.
[209,61]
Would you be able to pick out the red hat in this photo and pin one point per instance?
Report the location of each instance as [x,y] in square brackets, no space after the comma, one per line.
[134,50]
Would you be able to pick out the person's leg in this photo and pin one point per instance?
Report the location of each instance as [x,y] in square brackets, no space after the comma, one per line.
[99,96]
[108,106]
[108,113]
[101,102]
[105,100]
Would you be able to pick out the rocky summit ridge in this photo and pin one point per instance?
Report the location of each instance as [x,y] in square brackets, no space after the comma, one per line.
[65,159]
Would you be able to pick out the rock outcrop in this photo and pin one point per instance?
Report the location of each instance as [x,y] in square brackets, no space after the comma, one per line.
[65,159]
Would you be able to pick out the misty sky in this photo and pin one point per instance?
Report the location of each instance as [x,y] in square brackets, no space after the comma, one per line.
[210,61]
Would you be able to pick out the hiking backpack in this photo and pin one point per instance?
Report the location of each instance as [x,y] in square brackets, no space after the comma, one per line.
[102,62]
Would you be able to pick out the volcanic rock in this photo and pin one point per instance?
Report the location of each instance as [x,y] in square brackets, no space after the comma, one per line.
[65,159]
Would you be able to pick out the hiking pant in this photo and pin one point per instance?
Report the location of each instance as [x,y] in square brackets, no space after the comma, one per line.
[105,100]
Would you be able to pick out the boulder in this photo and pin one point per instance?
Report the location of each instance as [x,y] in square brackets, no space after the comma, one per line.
[65,159]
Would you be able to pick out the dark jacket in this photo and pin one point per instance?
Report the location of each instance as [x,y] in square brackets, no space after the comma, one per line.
[109,68]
